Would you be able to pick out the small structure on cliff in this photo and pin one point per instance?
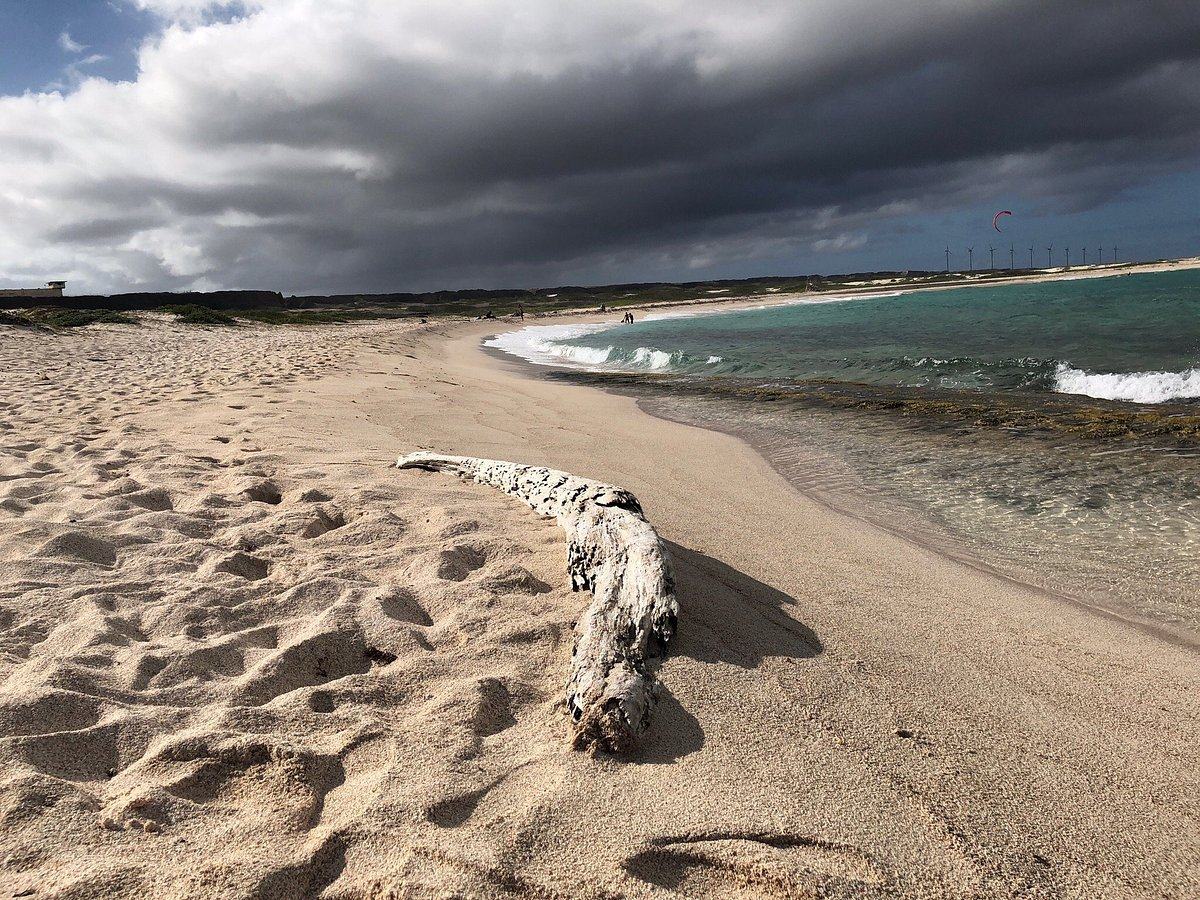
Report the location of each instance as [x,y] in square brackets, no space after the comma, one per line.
[52,289]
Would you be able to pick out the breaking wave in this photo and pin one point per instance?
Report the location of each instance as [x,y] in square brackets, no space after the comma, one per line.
[549,345]
[1132,387]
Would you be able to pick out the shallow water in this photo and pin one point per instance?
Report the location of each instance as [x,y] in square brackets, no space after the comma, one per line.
[1115,526]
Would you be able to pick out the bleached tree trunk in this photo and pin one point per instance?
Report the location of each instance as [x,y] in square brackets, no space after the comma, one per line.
[613,551]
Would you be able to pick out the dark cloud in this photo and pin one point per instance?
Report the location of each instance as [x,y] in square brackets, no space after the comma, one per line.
[382,145]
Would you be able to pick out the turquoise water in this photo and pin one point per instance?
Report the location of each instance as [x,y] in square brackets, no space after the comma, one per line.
[1129,337]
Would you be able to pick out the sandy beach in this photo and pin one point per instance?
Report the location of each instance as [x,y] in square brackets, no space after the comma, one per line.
[243,656]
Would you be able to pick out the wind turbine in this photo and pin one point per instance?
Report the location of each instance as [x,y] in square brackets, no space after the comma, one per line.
[1031,256]
[971,257]
[1114,252]
[1049,256]
[992,250]
[947,260]
[1068,252]
[1100,250]
[1012,256]
[1085,256]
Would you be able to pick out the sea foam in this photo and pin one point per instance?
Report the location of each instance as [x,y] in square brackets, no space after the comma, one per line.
[1132,387]
[543,344]
[549,345]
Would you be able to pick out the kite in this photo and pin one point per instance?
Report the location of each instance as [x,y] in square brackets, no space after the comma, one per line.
[996,217]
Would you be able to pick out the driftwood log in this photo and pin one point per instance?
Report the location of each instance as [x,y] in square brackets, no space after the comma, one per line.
[613,551]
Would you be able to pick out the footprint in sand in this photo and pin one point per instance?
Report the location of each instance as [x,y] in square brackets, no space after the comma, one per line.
[244,566]
[754,866]
[265,491]
[456,563]
[80,546]
[401,604]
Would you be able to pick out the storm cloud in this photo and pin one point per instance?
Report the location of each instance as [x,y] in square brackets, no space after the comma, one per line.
[363,145]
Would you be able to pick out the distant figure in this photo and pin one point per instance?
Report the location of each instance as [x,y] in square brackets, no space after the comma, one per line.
[627,318]
[603,308]
[520,310]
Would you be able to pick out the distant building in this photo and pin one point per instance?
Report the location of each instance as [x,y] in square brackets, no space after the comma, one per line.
[52,289]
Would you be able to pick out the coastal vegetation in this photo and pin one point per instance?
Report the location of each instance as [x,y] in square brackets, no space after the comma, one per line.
[50,317]
[195,314]
[273,308]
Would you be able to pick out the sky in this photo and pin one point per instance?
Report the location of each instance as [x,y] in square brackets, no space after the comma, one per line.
[352,146]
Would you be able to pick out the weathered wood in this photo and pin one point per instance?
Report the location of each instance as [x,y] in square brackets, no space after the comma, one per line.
[613,551]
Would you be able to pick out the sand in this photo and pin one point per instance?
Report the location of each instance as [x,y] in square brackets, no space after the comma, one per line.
[244,657]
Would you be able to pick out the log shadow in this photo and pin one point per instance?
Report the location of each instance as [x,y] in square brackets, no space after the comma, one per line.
[724,616]
[727,616]
[673,733]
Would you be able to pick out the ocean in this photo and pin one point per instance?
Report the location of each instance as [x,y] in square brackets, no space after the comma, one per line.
[1049,432]
[1132,337]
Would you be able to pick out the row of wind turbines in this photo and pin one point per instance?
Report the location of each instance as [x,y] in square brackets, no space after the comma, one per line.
[1012,256]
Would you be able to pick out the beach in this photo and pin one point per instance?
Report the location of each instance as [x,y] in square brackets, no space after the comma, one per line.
[244,656]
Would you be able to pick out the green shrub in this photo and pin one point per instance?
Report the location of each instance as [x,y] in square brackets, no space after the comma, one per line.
[75,318]
[192,314]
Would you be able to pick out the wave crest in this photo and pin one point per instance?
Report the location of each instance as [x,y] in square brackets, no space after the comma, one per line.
[550,345]
[1132,387]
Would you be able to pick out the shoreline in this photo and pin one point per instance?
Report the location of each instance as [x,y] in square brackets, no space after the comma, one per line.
[1067,426]
[1054,273]
[1056,607]
[861,507]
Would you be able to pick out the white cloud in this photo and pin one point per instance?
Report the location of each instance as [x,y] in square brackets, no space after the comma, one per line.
[840,244]
[73,73]
[69,45]
[191,10]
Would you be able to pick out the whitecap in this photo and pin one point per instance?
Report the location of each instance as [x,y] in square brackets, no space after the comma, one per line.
[549,345]
[650,358]
[1133,387]
[542,344]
